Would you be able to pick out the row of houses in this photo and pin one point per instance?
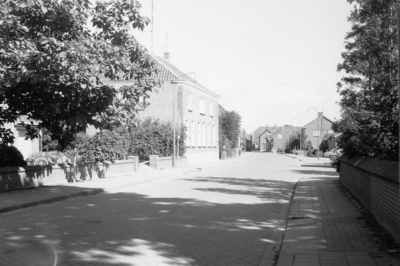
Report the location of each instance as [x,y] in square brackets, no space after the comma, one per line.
[267,138]
[181,100]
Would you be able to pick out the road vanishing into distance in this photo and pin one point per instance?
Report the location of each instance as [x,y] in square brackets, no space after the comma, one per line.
[229,215]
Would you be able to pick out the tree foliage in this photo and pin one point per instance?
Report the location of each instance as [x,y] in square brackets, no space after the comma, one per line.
[149,137]
[294,140]
[53,65]
[369,93]
[229,126]
[153,137]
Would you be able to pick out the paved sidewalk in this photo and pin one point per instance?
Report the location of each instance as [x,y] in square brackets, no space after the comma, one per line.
[325,228]
[29,197]
[311,161]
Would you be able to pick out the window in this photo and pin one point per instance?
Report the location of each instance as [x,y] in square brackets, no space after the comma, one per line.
[209,136]
[213,137]
[192,140]
[203,134]
[190,102]
[187,131]
[202,106]
[279,136]
[316,133]
[211,109]
[198,134]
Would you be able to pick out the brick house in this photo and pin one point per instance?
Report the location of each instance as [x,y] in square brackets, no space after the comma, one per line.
[256,137]
[265,141]
[280,136]
[195,107]
[316,130]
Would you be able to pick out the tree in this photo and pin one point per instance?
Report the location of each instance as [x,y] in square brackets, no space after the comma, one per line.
[229,126]
[52,65]
[369,88]
[294,140]
[323,146]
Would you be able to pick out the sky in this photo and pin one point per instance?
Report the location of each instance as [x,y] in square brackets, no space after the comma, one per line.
[269,60]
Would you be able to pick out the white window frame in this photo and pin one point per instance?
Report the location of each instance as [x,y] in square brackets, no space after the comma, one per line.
[209,136]
[198,134]
[192,134]
[213,137]
[187,131]
[190,102]
[202,106]
[203,132]
[316,133]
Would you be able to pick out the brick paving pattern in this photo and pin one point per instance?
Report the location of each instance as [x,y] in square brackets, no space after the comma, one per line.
[326,229]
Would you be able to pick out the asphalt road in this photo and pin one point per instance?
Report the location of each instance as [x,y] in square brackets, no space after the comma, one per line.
[223,216]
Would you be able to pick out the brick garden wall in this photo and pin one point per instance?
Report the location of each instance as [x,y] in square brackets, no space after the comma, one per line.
[34,176]
[375,183]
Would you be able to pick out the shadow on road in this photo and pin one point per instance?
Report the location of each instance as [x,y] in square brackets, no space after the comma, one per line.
[125,228]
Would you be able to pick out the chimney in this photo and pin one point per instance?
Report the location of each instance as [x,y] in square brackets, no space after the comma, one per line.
[320,114]
[166,56]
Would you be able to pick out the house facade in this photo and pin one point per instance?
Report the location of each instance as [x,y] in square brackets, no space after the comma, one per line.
[181,99]
[316,130]
[256,137]
[265,141]
[281,135]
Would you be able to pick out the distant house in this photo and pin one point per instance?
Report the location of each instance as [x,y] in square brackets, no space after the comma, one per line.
[256,137]
[196,107]
[265,140]
[281,136]
[316,130]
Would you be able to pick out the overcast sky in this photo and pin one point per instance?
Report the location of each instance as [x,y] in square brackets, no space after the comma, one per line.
[269,60]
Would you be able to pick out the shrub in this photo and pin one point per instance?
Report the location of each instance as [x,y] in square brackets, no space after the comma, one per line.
[155,137]
[104,146]
[323,146]
[10,156]
[44,158]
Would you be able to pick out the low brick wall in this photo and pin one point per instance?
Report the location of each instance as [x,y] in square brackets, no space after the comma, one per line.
[34,176]
[375,183]
[157,162]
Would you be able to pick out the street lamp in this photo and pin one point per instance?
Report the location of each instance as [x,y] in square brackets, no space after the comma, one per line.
[318,132]
[300,130]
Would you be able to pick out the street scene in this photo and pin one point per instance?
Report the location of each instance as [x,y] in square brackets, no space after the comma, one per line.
[202,132]
[261,209]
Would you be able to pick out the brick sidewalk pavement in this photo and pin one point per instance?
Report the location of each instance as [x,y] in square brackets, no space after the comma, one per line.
[325,228]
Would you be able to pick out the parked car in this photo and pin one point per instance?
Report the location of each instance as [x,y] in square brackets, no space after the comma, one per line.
[333,153]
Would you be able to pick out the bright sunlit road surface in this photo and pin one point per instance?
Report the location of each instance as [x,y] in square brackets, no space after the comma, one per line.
[223,216]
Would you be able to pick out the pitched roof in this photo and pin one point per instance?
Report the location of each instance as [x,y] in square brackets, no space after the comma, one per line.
[286,128]
[169,72]
[316,120]
[258,132]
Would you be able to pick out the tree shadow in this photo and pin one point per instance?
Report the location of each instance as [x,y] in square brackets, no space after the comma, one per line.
[141,229]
